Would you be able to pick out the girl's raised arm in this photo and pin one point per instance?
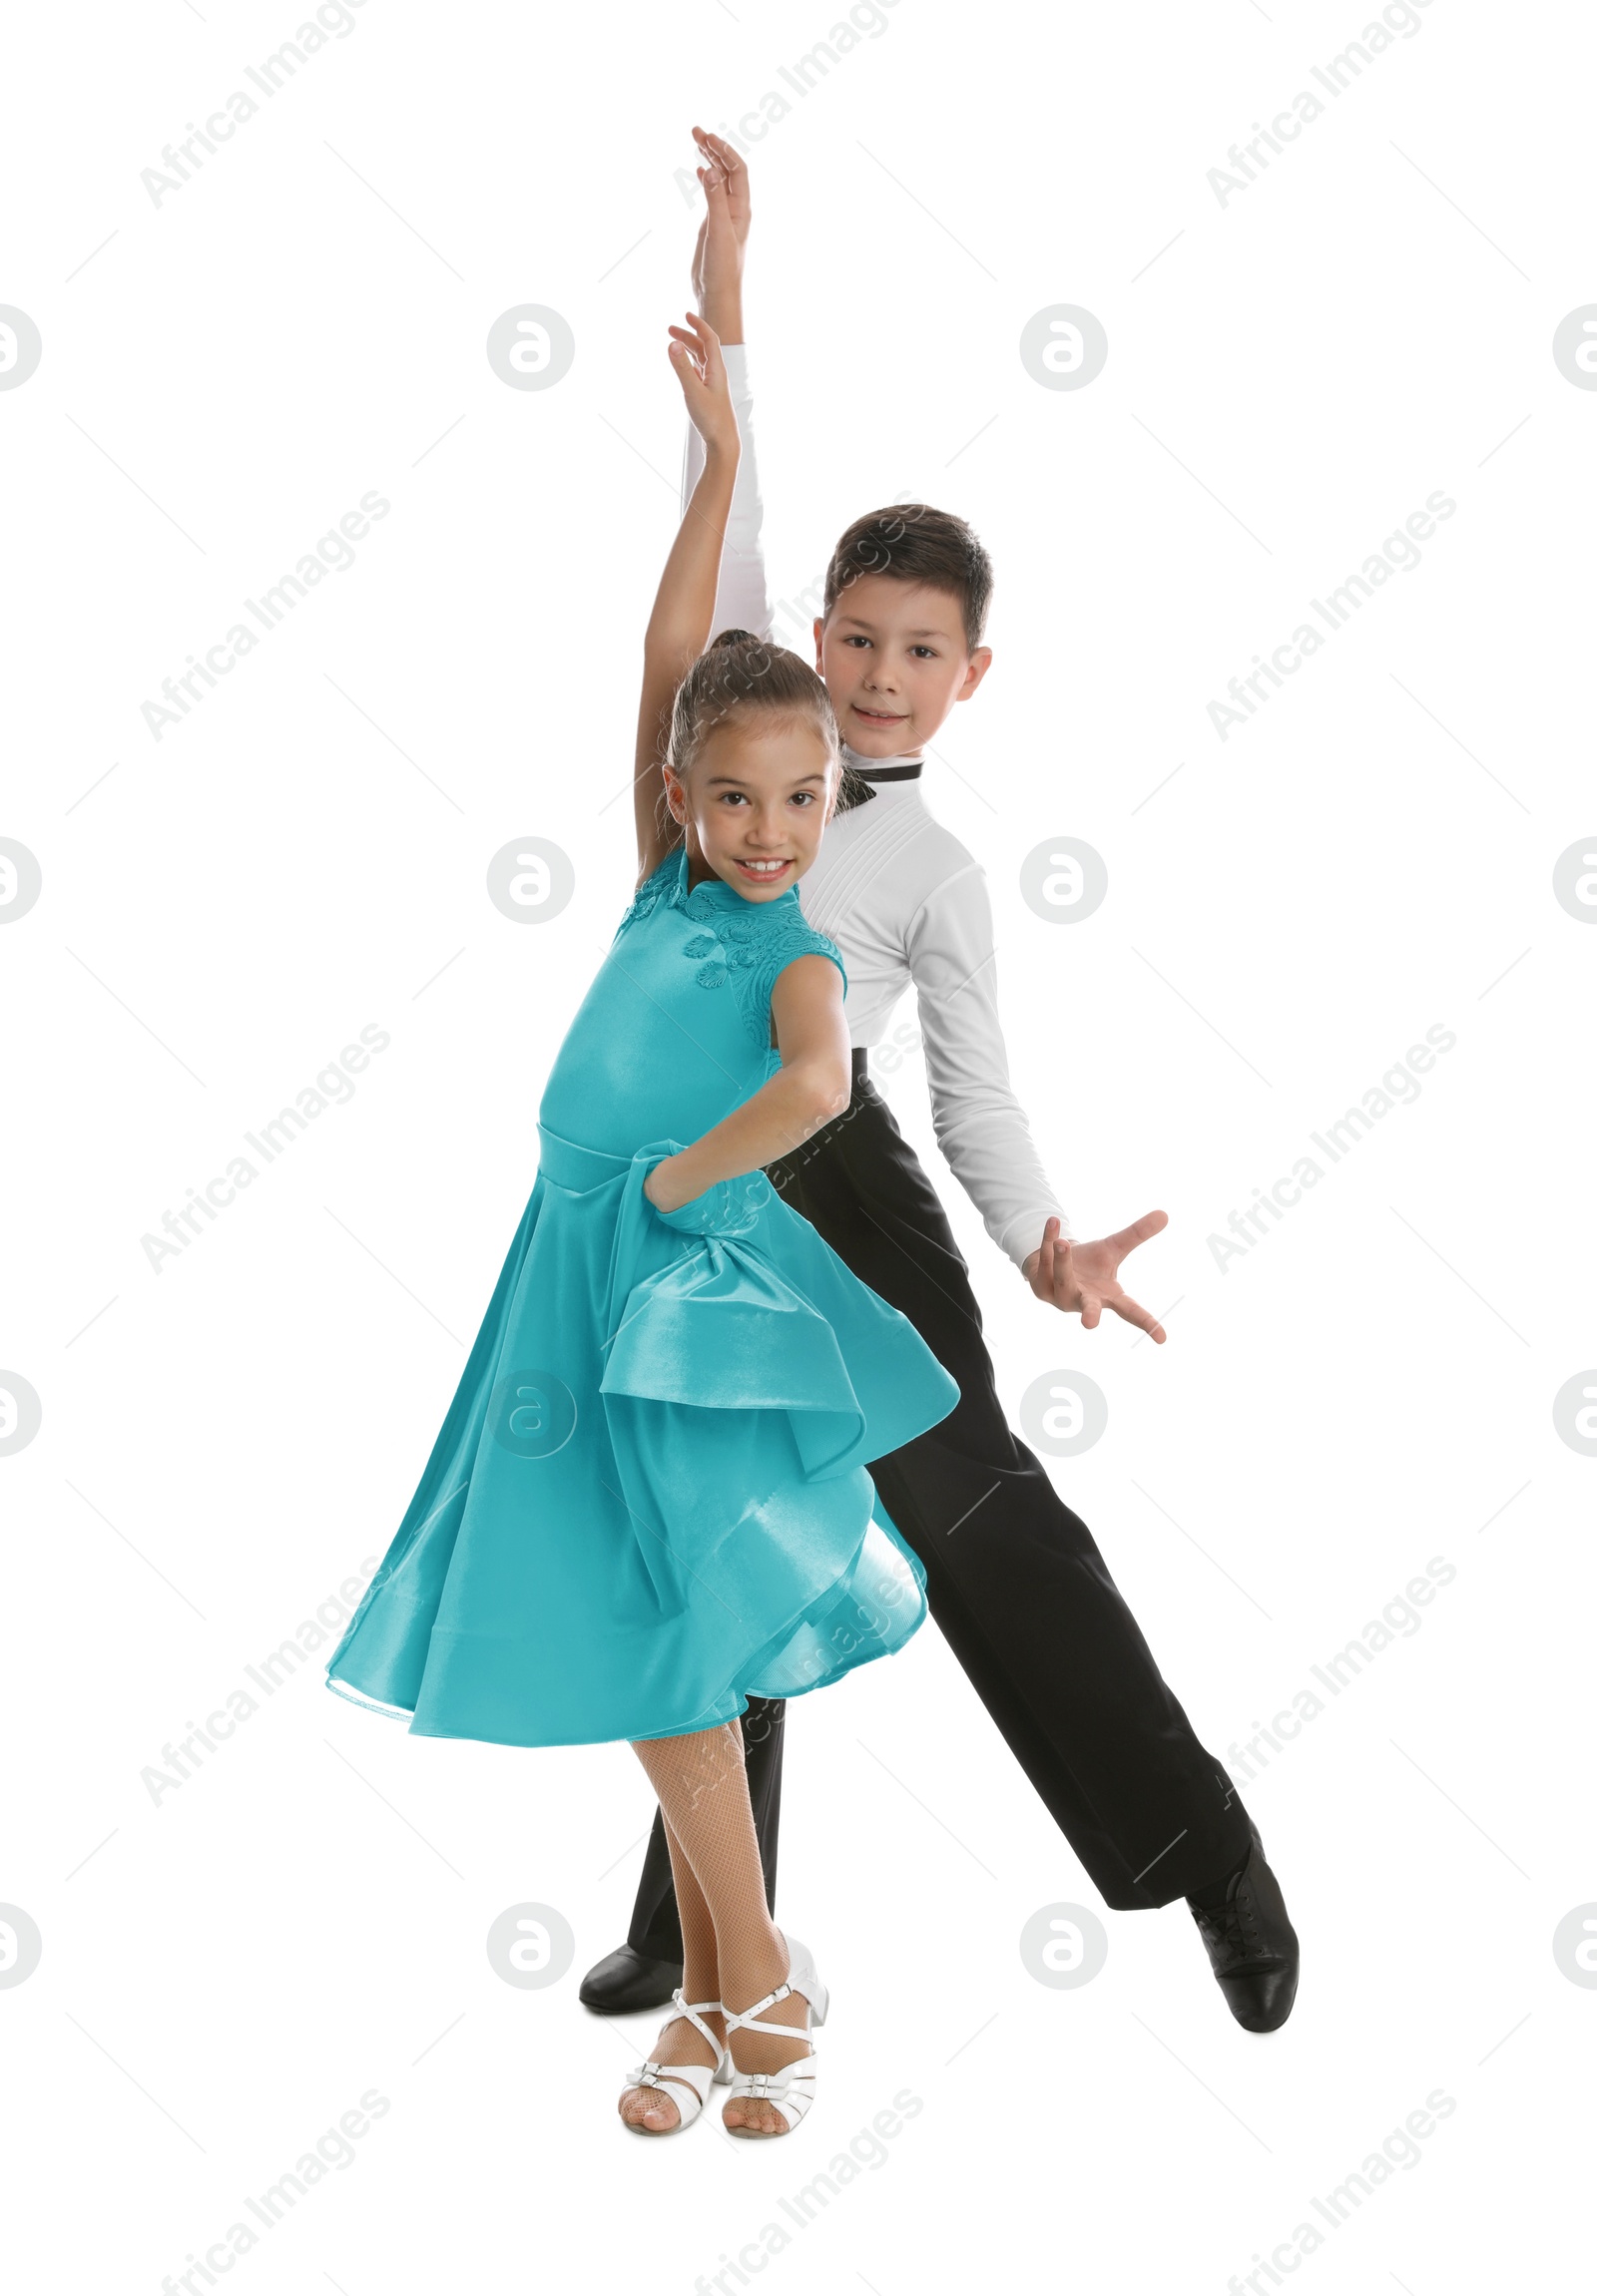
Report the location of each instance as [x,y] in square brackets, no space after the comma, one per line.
[679,628]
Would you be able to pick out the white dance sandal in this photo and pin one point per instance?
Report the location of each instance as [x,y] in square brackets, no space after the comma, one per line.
[692,2080]
[791,2089]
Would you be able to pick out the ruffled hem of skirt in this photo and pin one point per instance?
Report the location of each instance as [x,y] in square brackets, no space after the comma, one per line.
[772,1671]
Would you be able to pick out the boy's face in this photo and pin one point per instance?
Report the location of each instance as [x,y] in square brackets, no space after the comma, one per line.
[896,661]
[754,802]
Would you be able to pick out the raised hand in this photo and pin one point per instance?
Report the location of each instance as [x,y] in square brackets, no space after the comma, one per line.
[719,255]
[694,354]
[1083,1278]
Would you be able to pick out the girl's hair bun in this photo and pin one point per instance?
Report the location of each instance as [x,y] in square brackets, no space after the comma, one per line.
[730,638]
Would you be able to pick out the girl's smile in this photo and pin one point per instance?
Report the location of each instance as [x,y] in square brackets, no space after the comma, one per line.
[754,803]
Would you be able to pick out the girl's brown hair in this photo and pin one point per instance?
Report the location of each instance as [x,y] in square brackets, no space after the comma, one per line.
[736,674]
[739,674]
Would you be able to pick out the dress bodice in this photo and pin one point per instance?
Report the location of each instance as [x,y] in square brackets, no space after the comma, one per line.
[674,1031]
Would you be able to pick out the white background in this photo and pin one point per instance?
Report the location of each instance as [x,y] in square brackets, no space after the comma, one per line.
[227,1968]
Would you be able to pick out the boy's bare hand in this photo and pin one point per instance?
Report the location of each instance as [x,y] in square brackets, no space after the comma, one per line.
[725,164]
[719,255]
[1083,1278]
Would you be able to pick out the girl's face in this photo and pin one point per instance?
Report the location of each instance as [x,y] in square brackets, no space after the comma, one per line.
[754,802]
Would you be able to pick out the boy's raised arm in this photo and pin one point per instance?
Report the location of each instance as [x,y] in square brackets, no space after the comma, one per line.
[740,599]
[680,625]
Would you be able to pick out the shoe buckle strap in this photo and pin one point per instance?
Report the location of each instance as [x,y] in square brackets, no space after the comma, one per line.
[752,2023]
[655,2074]
[774,2085]
[690,2009]
[744,2017]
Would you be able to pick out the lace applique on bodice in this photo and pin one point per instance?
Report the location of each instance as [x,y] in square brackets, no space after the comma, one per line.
[747,943]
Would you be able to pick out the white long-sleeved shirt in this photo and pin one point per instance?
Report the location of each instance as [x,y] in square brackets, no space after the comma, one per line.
[906,904]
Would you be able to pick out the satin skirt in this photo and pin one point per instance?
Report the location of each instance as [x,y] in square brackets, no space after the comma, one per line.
[649,1500]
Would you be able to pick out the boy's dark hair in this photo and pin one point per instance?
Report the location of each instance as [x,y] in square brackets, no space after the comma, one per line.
[911,542]
[736,674]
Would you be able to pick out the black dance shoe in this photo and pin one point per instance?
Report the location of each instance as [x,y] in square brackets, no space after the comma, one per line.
[627,1979]
[1252,1945]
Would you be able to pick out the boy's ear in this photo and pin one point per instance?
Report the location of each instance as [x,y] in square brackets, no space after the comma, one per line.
[979,664]
[821,623]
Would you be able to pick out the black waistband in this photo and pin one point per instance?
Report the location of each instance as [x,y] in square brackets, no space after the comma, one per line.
[861,1065]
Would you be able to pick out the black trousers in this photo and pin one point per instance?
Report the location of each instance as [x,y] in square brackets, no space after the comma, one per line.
[1014,1579]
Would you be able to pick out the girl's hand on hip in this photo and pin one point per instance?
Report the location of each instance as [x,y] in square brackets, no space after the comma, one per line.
[658,1185]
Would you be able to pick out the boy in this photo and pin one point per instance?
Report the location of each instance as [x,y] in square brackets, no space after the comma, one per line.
[1014,1579]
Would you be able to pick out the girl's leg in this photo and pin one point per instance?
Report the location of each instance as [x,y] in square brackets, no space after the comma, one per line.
[703,1795]
[680,2042]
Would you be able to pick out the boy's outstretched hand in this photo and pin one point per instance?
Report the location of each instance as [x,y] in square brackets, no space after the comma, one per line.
[1084,1278]
[718,257]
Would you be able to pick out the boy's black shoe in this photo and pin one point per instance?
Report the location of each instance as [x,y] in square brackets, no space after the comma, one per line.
[627,1979]
[1252,1945]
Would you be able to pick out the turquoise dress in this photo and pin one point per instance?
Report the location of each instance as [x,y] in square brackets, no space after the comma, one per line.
[649,1502]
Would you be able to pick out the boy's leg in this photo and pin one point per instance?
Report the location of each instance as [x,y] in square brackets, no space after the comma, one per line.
[642,1973]
[1015,1580]
[1026,1602]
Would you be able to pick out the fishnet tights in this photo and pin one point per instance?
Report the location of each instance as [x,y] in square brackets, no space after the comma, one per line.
[732,1949]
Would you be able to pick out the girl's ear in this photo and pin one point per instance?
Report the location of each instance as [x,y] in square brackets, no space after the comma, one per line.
[676,797]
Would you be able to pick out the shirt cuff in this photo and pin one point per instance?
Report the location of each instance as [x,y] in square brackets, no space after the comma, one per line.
[1023,1235]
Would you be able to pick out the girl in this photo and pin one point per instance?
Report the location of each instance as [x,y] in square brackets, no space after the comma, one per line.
[648,1501]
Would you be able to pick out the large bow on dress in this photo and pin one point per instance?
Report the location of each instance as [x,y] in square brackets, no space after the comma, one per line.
[699,1314]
